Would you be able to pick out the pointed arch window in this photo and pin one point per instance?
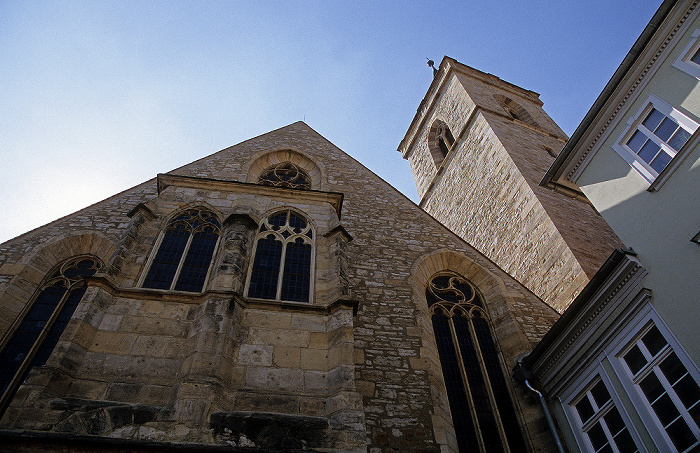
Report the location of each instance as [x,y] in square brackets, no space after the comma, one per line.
[482,412]
[185,252]
[32,342]
[283,259]
[440,141]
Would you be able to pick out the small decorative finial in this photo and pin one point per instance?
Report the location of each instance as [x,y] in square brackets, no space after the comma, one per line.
[431,63]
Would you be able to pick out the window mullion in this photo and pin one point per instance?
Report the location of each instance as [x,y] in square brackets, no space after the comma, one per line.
[182,261]
[465,382]
[19,375]
[280,276]
[489,389]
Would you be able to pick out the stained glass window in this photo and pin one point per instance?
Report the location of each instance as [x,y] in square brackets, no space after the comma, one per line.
[185,252]
[38,333]
[283,255]
[482,412]
[285,174]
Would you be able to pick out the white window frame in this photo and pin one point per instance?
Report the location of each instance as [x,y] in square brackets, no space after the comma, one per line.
[627,339]
[633,123]
[574,395]
[684,62]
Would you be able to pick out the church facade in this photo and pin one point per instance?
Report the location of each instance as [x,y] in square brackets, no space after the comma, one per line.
[274,295]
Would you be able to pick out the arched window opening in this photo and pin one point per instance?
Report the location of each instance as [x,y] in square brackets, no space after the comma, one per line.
[185,252]
[440,141]
[283,256]
[36,336]
[285,174]
[515,110]
[482,412]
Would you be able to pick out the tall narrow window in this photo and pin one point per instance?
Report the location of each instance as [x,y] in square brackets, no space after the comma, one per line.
[185,252]
[669,390]
[283,255]
[482,412]
[440,141]
[33,340]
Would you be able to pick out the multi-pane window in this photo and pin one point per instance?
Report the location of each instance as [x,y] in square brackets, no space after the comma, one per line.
[32,342]
[285,174]
[653,137]
[482,412]
[670,392]
[657,139]
[185,252]
[283,257]
[601,423]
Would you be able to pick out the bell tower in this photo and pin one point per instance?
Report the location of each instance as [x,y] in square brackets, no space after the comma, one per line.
[478,147]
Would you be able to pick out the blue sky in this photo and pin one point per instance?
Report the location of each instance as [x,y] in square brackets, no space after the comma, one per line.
[98,96]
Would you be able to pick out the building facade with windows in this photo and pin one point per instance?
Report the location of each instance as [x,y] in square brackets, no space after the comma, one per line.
[621,365]
[275,296]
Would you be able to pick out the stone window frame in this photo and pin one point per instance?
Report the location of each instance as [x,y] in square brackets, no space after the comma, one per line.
[475,308]
[582,389]
[634,124]
[646,319]
[515,110]
[310,228]
[440,141]
[73,284]
[184,254]
[300,180]
[689,59]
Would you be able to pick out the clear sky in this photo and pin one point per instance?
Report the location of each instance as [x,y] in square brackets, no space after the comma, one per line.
[98,96]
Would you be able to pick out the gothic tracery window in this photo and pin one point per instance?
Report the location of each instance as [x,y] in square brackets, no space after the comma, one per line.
[440,141]
[285,174]
[283,257]
[37,334]
[482,412]
[185,252]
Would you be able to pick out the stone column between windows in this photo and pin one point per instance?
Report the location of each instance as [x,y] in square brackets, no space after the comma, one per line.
[229,270]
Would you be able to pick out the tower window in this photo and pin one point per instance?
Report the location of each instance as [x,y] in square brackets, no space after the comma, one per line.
[185,252]
[285,174]
[36,336]
[440,141]
[482,412]
[283,257]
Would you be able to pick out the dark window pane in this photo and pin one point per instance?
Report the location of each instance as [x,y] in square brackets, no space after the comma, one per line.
[679,139]
[681,435]
[194,269]
[654,341]
[688,391]
[661,161]
[296,279]
[665,409]
[624,442]
[266,268]
[667,127]
[635,143]
[456,394]
[296,222]
[600,394]
[652,388]
[649,151]
[278,220]
[614,421]
[585,409]
[597,436]
[635,359]
[653,119]
[696,57]
[672,368]
[166,261]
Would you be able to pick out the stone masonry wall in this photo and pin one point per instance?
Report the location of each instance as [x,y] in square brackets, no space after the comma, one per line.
[383,387]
